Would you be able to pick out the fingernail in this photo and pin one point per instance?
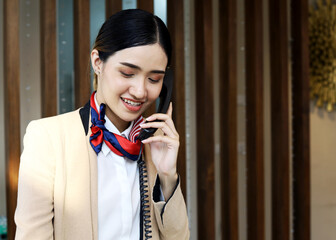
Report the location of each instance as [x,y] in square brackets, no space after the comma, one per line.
[150,118]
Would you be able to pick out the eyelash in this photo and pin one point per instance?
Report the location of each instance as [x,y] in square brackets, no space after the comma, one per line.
[127,75]
[153,81]
[131,75]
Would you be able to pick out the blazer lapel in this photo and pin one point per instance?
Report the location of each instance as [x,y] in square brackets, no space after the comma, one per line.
[86,119]
[84,113]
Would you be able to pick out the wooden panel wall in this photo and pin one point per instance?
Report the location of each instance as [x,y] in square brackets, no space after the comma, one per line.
[176,29]
[228,118]
[254,119]
[279,120]
[147,5]
[301,128]
[12,107]
[48,58]
[204,119]
[112,6]
[82,52]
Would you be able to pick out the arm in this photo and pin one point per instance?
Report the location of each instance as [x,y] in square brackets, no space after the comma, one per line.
[34,212]
[171,216]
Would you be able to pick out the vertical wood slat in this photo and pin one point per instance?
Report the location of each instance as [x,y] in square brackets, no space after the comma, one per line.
[12,107]
[175,15]
[279,120]
[147,5]
[254,119]
[228,118]
[301,132]
[204,116]
[48,58]
[112,6]
[82,51]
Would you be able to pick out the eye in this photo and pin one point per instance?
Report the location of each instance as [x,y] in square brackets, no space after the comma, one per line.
[154,80]
[127,75]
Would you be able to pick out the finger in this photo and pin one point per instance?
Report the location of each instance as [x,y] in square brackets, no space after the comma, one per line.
[164,118]
[163,139]
[157,116]
[170,110]
[166,128]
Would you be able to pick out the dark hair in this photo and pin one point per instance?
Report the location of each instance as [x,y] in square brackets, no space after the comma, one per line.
[131,28]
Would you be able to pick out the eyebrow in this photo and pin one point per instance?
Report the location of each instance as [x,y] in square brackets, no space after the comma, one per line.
[139,68]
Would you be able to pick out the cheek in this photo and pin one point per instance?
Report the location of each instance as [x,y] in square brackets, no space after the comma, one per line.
[116,85]
[154,92]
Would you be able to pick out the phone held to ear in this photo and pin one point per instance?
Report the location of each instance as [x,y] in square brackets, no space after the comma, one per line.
[165,96]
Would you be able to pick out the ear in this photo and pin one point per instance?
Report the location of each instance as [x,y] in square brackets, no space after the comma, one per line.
[97,63]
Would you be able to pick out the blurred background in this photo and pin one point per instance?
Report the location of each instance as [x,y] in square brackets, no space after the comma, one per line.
[254,100]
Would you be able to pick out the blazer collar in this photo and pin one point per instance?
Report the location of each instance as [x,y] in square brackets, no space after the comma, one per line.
[85,116]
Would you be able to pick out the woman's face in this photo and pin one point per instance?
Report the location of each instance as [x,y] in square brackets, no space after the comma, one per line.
[129,81]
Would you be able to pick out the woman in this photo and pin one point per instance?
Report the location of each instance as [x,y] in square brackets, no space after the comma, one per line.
[79,177]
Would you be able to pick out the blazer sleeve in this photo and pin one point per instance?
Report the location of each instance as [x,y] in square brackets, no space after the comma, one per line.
[34,213]
[171,216]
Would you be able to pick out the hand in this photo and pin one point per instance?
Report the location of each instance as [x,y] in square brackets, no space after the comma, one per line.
[164,149]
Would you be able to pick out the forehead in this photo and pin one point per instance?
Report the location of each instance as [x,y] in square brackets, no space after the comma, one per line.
[147,57]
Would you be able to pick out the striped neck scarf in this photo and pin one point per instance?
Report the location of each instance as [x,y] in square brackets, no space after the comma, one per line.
[118,144]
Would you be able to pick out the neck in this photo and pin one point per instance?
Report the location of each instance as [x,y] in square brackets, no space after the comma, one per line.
[120,124]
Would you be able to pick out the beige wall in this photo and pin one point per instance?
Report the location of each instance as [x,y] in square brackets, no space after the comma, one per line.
[190,113]
[323,173]
[30,97]
[241,124]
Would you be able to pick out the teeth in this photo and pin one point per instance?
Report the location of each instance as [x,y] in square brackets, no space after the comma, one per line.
[131,102]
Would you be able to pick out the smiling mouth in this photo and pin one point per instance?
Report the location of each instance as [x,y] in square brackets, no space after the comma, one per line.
[132,103]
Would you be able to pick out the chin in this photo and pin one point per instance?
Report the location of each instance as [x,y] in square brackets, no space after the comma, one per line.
[130,117]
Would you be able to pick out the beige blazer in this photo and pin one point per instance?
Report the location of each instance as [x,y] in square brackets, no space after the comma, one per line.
[57,188]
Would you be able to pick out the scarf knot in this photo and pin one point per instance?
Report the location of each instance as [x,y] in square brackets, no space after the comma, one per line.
[118,144]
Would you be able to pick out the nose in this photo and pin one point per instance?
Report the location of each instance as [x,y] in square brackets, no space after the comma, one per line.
[138,88]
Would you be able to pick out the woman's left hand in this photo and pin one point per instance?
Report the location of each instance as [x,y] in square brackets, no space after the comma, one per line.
[164,149]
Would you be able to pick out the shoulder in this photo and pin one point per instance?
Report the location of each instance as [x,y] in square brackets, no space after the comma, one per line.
[69,118]
[56,125]
[65,117]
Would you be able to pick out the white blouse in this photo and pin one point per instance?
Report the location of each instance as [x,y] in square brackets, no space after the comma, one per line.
[118,192]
